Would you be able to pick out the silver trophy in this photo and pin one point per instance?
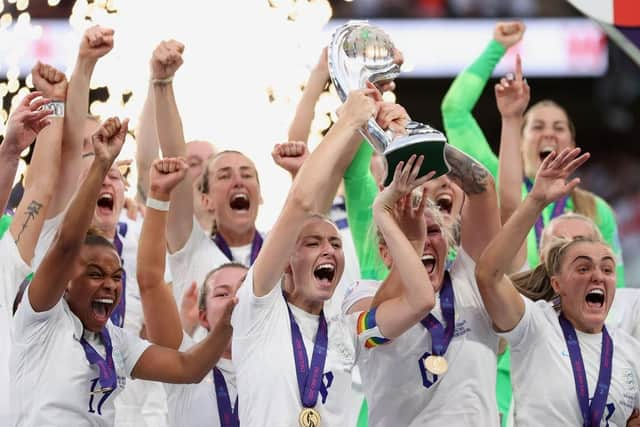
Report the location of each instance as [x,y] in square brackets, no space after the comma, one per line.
[360,52]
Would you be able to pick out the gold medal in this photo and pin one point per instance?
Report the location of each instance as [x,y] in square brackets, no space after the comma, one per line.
[437,365]
[309,417]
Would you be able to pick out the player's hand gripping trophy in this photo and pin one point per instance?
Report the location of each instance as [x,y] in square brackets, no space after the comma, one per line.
[360,52]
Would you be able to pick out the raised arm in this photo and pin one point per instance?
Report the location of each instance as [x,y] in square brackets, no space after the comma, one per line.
[158,304]
[396,315]
[457,106]
[480,219]
[313,189]
[42,173]
[61,261]
[290,156]
[301,124]
[360,190]
[146,144]
[24,124]
[501,299]
[96,42]
[512,98]
[166,60]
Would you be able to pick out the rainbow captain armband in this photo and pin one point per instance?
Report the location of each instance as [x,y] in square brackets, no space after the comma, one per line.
[368,329]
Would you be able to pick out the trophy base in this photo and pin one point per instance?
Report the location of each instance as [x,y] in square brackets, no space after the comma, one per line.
[433,152]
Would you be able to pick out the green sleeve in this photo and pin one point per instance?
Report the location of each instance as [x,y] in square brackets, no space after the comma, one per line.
[360,190]
[606,221]
[461,128]
[5,222]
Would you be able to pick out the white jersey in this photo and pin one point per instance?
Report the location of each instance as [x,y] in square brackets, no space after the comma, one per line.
[265,368]
[195,405]
[51,379]
[359,290]
[142,403]
[401,392]
[198,257]
[13,270]
[542,378]
[625,311]
[129,236]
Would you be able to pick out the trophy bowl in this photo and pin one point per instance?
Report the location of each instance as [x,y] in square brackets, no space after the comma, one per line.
[360,52]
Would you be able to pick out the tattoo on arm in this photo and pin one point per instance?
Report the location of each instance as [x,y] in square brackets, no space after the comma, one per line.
[32,211]
[470,175]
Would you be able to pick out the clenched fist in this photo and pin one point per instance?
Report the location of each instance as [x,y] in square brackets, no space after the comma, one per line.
[508,33]
[166,59]
[50,81]
[96,42]
[165,174]
[109,138]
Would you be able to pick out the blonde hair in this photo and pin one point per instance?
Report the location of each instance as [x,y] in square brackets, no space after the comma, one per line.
[448,232]
[536,284]
[568,216]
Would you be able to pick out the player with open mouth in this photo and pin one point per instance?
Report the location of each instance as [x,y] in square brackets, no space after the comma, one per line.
[70,362]
[302,355]
[589,374]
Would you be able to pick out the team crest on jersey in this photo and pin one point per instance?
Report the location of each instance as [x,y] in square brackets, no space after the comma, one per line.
[461,328]
[630,389]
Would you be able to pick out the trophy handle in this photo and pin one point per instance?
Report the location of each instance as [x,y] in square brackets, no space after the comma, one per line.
[425,141]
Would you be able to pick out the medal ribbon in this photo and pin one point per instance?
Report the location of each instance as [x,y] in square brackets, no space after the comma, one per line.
[117,316]
[309,377]
[228,415]
[108,379]
[441,336]
[256,244]
[591,414]
[558,209]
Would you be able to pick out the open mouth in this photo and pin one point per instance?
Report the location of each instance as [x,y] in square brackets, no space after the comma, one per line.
[595,298]
[445,203]
[102,308]
[240,202]
[325,273]
[544,152]
[429,262]
[105,202]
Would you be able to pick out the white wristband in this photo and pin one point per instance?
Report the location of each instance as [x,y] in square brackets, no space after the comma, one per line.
[158,205]
[56,107]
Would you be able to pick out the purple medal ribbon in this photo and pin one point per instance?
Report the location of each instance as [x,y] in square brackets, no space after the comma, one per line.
[441,336]
[309,378]
[117,316]
[558,209]
[224,247]
[591,414]
[228,416]
[108,379]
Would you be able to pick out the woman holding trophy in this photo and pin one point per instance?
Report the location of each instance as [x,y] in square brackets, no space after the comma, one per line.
[451,351]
